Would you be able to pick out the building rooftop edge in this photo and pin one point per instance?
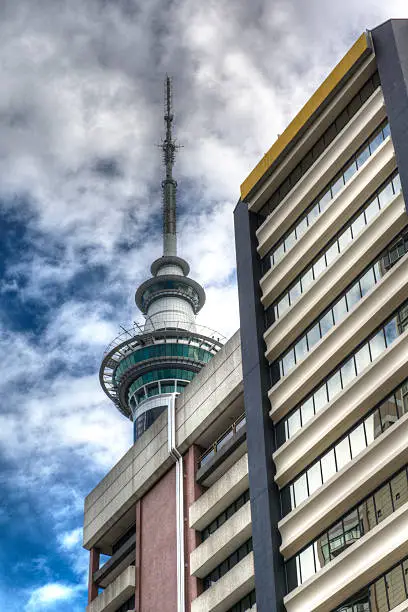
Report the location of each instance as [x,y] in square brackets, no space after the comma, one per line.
[361,48]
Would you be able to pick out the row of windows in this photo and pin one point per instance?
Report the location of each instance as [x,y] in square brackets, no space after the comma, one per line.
[224,516]
[344,374]
[162,350]
[320,204]
[163,386]
[222,440]
[228,564]
[383,594]
[245,604]
[175,373]
[346,302]
[324,141]
[145,420]
[348,447]
[382,197]
[119,543]
[345,532]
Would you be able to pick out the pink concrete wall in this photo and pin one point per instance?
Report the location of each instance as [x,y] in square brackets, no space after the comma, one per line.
[156,589]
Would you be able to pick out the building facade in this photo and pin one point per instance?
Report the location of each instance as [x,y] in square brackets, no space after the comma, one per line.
[278,478]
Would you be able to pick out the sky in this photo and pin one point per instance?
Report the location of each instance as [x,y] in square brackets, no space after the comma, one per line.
[81,104]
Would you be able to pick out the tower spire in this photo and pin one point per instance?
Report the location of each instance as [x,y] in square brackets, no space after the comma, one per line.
[169,185]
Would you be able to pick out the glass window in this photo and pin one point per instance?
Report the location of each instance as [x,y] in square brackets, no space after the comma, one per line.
[388,413]
[337,185]
[377,344]
[383,503]
[294,292]
[320,398]
[386,131]
[283,304]
[313,336]
[385,195]
[340,310]
[288,361]
[314,478]
[342,451]
[362,157]
[332,253]
[376,141]
[307,279]
[307,566]
[391,331]
[362,358]
[300,349]
[397,183]
[324,200]
[372,210]
[357,440]
[278,253]
[300,489]
[350,171]
[369,428]
[345,238]
[319,266]
[358,225]
[367,281]
[328,465]
[293,423]
[326,322]
[307,410]
[290,241]
[301,227]
[334,385]
[312,214]
[395,590]
[353,295]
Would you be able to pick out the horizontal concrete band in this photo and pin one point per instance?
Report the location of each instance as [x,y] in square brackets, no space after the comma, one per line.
[323,170]
[353,195]
[220,495]
[375,384]
[116,593]
[342,339]
[229,589]
[364,561]
[222,543]
[345,489]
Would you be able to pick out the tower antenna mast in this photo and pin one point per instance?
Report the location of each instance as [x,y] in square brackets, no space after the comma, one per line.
[169,185]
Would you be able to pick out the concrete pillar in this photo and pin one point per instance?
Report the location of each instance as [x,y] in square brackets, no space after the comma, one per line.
[94,556]
[138,561]
[192,491]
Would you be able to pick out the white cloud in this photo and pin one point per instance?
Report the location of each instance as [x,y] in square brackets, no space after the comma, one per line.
[49,594]
[70,539]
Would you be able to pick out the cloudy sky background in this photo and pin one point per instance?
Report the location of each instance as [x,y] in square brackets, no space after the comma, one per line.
[80,112]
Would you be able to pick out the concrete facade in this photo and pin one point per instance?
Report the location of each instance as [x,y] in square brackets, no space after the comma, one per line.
[280,480]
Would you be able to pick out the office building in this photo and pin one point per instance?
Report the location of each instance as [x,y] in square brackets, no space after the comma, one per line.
[277,479]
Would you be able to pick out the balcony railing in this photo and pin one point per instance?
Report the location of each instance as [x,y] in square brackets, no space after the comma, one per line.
[222,440]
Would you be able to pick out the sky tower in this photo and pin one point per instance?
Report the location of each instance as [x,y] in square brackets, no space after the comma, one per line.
[162,355]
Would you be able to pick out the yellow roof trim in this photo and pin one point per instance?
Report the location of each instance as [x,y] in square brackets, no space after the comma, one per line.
[359,49]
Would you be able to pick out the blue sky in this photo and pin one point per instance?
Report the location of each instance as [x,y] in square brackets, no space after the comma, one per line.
[80,113]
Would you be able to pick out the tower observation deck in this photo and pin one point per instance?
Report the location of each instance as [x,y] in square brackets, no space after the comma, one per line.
[161,355]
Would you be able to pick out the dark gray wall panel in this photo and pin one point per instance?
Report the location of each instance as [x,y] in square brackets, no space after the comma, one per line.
[391,48]
[264,494]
